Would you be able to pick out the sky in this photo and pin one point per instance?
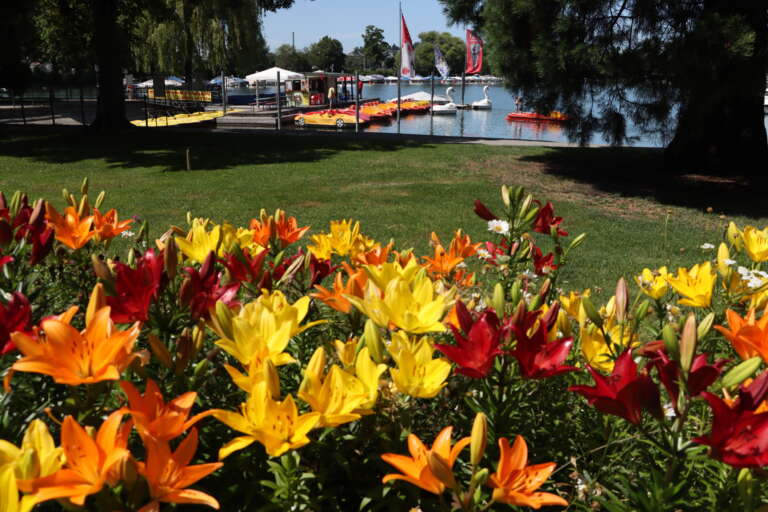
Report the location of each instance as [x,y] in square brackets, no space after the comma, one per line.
[346,20]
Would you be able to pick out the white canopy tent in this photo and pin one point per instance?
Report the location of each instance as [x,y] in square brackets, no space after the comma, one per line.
[270,75]
[169,82]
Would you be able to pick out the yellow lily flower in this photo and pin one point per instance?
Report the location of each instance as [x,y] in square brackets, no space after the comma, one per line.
[276,425]
[232,237]
[653,283]
[382,275]
[595,348]
[37,457]
[413,307]
[571,303]
[695,285]
[335,395]
[724,261]
[369,373]
[343,239]
[261,329]
[346,351]
[417,374]
[734,236]
[756,243]
[199,241]
[258,372]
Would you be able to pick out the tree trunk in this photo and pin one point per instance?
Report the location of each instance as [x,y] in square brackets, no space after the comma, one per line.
[109,48]
[720,123]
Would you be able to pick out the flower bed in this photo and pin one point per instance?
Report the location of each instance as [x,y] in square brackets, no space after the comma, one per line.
[297,368]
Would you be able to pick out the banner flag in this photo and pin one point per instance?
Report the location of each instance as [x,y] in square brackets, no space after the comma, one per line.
[406,52]
[440,63]
[474,54]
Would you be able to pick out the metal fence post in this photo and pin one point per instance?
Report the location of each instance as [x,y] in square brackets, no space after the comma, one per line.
[279,104]
[50,101]
[357,104]
[82,107]
[146,111]
[23,114]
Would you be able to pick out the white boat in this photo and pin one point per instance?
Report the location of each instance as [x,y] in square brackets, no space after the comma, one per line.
[448,108]
[421,96]
[485,103]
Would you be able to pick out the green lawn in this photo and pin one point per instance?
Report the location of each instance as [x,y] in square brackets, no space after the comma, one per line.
[635,213]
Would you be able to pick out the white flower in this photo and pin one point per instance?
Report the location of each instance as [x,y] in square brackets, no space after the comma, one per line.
[528,274]
[707,246]
[669,411]
[127,234]
[729,261]
[500,227]
[482,253]
[755,283]
[744,271]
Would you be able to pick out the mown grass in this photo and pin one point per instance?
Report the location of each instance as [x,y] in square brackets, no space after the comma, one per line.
[635,213]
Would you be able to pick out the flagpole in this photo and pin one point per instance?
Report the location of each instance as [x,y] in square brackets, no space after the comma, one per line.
[400,66]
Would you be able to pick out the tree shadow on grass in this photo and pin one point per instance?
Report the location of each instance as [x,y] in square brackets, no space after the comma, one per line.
[642,172]
[166,148]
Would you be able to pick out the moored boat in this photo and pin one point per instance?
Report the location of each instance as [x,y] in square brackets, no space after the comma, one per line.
[552,117]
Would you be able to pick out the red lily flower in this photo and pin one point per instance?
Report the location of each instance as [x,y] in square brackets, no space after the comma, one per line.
[700,377]
[202,289]
[483,212]
[28,224]
[546,220]
[542,265]
[475,353]
[624,393]
[739,436]
[14,316]
[244,268]
[319,269]
[136,287]
[539,358]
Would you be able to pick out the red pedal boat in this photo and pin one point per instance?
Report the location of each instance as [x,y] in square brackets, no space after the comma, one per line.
[554,117]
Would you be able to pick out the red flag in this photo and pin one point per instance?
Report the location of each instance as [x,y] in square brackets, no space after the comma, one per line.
[474,53]
[406,52]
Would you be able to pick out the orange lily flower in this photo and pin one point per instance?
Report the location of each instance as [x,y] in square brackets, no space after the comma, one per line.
[514,482]
[462,245]
[108,226]
[748,336]
[376,256]
[70,229]
[288,230]
[443,261]
[336,298]
[156,419]
[99,352]
[415,469]
[262,230]
[90,462]
[169,474]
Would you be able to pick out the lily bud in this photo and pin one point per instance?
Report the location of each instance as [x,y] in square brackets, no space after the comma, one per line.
[15,203]
[745,484]
[198,337]
[591,312]
[621,300]
[200,369]
[545,287]
[479,439]
[65,194]
[497,301]
[100,199]
[671,345]
[524,207]
[272,378]
[185,291]
[480,477]
[100,268]
[373,341]
[3,202]
[577,241]
[505,195]
[160,351]
[705,325]
[741,372]
[37,211]
[143,231]
[688,343]
[642,309]
[440,469]
[84,186]
[97,301]
[171,258]
[515,294]
[131,258]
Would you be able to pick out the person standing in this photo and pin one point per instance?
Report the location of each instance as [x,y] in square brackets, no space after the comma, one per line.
[519,103]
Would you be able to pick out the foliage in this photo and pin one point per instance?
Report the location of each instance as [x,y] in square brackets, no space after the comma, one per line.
[326,54]
[287,57]
[374,47]
[607,62]
[451,46]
